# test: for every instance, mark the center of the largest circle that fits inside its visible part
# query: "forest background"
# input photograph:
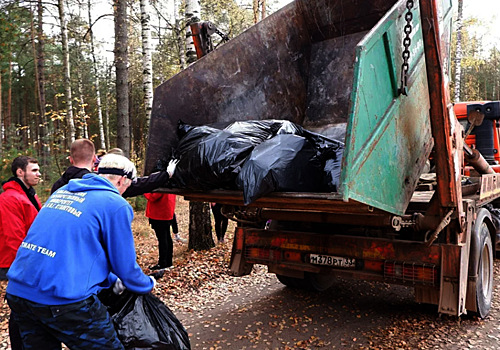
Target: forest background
(60, 79)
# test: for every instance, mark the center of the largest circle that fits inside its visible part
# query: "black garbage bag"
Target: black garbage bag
(333, 162)
(142, 321)
(330, 153)
(286, 162)
(210, 158)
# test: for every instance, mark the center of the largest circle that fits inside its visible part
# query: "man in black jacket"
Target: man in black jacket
(82, 157)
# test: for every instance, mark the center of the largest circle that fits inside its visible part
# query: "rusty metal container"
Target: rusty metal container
(332, 66)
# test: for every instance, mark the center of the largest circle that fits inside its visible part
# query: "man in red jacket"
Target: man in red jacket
(19, 205)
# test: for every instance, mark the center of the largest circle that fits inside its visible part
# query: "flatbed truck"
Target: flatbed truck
(373, 74)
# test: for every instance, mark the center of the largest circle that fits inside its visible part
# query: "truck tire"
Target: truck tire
(291, 282)
(484, 285)
(317, 282)
(480, 274)
(311, 281)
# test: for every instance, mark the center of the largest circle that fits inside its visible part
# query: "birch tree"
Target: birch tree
(82, 114)
(97, 87)
(193, 10)
(121, 66)
(458, 53)
(178, 31)
(67, 73)
(147, 63)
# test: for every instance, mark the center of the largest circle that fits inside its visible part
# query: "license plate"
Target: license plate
(329, 260)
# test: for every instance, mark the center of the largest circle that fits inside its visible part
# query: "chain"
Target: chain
(222, 35)
(406, 52)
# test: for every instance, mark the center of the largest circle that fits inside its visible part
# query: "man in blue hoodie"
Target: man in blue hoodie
(80, 242)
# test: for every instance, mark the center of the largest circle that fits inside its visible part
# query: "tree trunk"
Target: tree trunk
(84, 130)
(147, 63)
(121, 66)
(106, 99)
(192, 16)
(67, 74)
(36, 131)
(8, 112)
(178, 33)
(102, 141)
(458, 54)
(255, 10)
(44, 129)
(200, 227)
(263, 9)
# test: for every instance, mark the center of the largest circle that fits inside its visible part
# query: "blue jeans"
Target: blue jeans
(82, 325)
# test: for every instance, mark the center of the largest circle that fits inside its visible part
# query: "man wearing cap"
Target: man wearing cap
(82, 157)
(80, 242)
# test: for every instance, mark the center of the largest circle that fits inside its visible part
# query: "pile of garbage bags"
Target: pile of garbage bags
(257, 157)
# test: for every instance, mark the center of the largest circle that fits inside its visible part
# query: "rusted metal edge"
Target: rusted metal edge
(307, 201)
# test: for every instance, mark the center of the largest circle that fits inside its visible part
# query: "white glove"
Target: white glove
(154, 281)
(118, 287)
(171, 167)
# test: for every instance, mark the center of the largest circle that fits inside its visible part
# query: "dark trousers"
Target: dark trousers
(82, 325)
(220, 221)
(16, 342)
(165, 243)
(14, 335)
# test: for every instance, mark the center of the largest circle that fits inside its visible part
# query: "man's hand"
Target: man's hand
(118, 287)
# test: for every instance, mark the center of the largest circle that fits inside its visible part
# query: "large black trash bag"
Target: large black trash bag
(210, 158)
(142, 321)
(333, 162)
(330, 153)
(213, 162)
(286, 162)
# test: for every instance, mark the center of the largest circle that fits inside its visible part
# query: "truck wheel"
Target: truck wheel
(291, 282)
(311, 281)
(317, 282)
(484, 285)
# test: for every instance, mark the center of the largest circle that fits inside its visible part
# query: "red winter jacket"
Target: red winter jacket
(161, 206)
(16, 215)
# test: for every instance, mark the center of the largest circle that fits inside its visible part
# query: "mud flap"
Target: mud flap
(455, 268)
(238, 265)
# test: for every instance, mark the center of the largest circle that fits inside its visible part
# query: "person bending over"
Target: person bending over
(80, 243)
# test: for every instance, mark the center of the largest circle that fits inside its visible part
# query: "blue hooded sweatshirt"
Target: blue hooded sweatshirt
(77, 245)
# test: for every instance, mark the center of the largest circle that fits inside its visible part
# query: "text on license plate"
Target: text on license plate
(332, 260)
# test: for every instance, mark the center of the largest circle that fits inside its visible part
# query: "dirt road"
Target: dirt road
(257, 312)
(351, 315)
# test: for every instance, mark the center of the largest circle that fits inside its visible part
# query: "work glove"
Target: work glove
(118, 287)
(171, 167)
